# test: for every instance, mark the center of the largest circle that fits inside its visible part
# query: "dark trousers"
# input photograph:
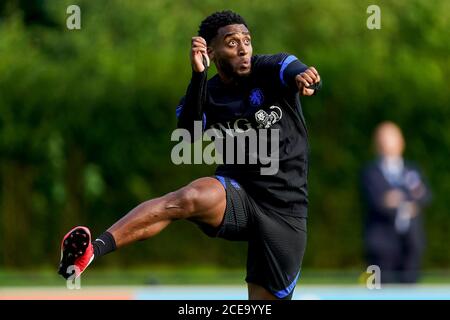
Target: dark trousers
(398, 255)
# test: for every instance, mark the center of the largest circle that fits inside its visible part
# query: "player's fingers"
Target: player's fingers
(314, 71)
(308, 92)
(305, 76)
(318, 78)
(302, 81)
(202, 40)
(196, 38)
(198, 44)
(311, 75)
(199, 49)
(199, 40)
(197, 53)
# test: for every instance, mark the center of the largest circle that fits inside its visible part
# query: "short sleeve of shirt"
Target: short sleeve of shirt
(281, 67)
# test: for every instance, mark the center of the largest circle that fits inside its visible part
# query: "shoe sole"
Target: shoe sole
(73, 247)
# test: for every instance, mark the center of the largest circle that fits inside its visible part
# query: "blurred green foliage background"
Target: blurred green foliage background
(86, 117)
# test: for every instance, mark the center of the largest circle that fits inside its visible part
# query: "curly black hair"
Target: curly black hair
(208, 28)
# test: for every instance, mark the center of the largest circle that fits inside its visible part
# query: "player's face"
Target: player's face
(232, 50)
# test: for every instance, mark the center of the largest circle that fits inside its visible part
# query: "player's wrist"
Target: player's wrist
(198, 75)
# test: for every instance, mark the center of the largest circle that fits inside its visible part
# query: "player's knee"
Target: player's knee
(188, 199)
(196, 198)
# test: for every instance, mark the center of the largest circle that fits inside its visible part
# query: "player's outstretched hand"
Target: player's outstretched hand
(198, 51)
(306, 79)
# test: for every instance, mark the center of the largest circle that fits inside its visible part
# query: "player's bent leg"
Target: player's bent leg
(203, 200)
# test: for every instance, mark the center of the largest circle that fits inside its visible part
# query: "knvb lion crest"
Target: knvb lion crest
(256, 97)
(266, 120)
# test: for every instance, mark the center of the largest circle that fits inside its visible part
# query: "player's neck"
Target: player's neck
(226, 79)
(230, 80)
(226, 76)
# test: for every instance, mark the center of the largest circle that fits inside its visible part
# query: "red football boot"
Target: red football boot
(77, 252)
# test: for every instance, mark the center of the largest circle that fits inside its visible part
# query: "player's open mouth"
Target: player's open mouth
(244, 65)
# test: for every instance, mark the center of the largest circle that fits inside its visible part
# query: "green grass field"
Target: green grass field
(199, 275)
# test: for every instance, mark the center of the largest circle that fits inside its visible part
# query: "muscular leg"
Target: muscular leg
(203, 200)
(256, 292)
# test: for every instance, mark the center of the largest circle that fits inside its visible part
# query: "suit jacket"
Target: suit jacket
(375, 183)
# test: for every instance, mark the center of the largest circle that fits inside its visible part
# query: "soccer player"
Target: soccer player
(269, 211)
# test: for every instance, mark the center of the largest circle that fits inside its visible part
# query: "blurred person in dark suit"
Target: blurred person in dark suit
(395, 193)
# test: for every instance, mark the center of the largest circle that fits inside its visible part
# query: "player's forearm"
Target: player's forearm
(298, 76)
(290, 68)
(193, 106)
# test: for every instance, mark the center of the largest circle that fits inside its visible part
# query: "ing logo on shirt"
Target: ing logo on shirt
(256, 97)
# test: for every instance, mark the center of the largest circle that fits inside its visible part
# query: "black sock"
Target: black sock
(104, 244)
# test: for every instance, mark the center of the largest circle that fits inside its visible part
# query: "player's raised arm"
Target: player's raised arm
(191, 107)
(290, 72)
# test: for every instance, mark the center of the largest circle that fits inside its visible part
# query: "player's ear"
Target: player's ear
(210, 52)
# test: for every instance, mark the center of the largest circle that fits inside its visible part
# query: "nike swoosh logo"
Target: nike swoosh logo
(101, 241)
